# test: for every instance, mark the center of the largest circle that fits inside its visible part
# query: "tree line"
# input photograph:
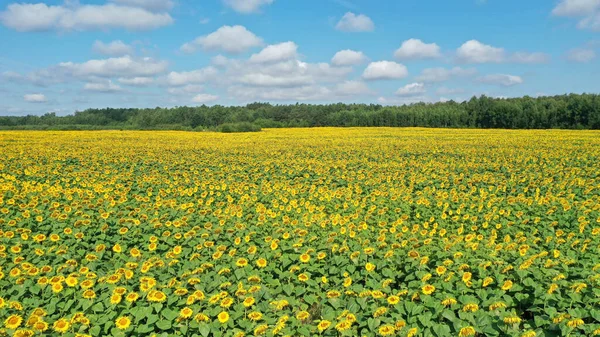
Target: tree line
(571, 111)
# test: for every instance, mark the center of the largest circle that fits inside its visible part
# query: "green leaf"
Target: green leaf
(163, 325)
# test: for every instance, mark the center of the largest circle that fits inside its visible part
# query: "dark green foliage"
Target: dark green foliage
(565, 112)
(238, 127)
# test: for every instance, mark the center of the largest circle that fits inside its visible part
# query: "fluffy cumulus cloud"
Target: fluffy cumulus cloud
(191, 77)
(152, 5)
(588, 12)
(102, 87)
(114, 48)
(351, 22)
(581, 55)
(576, 7)
(26, 17)
(125, 66)
(416, 49)
(442, 74)
(229, 39)
(35, 98)
(412, 89)
(474, 51)
(246, 6)
(385, 70)
(137, 81)
(348, 58)
(353, 88)
(501, 79)
(276, 53)
(204, 98)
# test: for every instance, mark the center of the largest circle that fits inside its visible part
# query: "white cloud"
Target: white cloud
(152, 5)
(587, 10)
(353, 88)
(104, 86)
(429, 75)
(416, 49)
(291, 73)
(501, 79)
(230, 39)
(125, 66)
(576, 7)
(114, 48)
(385, 70)
(348, 58)
(412, 89)
(247, 6)
(581, 55)
(276, 53)
(188, 77)
(524, 57)
(591, 22)
(42, 77)
(188, 89)
(351, 22)
(35, 98)
(474, 51)
(303, 93)
(41, 17)
(137, 81)
(204, 98)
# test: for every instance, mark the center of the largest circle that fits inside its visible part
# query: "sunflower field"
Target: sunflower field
(300, 232)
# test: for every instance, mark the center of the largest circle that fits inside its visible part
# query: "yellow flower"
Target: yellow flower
(393, 300)
(71, 281)
(574, 323)
(507, 285)
(529, 333)
(123, 322)
(255, 316)
(512, 320)
(369, 267)
(302, 315)
(223, 317)
(304, 258)
(387, 330)
(186, 313)
(249, 301)
(13, 322)
(428, 289)
(61, 326)
(467, 331)
(323, 325)
(448, 302)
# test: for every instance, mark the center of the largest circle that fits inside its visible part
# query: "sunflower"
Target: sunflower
(393, 300)
(249, 301)
(387, 330)
(186, 313)
(61, 326)
(369, 267)
(13, 322)
(255, 316)
(507, 285)
(428, 289)
(89, 294)
(223, 317)
(304, 258)
(467, 331)
(323, 325)
(123, 322)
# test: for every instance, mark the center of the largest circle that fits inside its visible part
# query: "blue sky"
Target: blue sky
(63, 56)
